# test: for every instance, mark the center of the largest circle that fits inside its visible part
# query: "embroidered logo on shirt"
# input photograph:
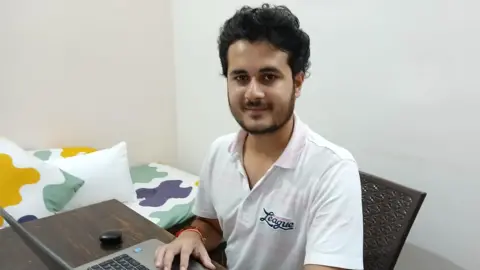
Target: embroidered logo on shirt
(277, 222)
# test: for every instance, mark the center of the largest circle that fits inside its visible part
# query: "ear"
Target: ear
(298, 82)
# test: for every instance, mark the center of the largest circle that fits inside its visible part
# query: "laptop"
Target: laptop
(138, 257)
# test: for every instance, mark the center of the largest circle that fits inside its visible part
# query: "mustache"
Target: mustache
(255, 104)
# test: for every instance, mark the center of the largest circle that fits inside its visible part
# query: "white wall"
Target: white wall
(393, 81)
(88, 73)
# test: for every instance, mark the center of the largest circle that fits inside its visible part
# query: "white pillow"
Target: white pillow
(106, 174)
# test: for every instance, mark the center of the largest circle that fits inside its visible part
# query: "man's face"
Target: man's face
(261, 89)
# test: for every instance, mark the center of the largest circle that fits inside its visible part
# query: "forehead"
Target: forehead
(251, 57)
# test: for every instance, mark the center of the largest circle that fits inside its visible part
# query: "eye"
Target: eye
(241, 78)
(269, 78)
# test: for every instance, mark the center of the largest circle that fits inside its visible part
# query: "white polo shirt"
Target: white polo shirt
(307, 209)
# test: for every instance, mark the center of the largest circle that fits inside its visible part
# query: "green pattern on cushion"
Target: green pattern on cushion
(56, 196)
(43, 154)
(145, 174)
(178, 214)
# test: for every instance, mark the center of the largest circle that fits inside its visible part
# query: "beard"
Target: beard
(279, 119)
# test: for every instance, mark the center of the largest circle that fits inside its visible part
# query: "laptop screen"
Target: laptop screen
(48, 257)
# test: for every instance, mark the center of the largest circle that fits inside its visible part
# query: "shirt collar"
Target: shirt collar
(290, 156)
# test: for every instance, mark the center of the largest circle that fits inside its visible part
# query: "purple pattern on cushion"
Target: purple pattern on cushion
(169, 189)
(27, 218)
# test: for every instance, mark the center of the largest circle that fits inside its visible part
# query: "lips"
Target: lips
(256, 109)
(255, 113)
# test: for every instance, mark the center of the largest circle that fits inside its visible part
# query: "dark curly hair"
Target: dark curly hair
(275, 24)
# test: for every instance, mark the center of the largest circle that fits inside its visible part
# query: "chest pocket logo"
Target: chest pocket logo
(276, 222)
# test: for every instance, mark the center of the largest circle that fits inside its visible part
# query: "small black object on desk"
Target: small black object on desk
(111, 238)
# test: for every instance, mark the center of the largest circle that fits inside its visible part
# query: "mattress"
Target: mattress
(165, 194)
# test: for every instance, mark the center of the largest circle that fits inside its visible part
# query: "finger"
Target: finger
(184, 257)
(205, 258)
(196, 254)
(168, 258)
(159, 253)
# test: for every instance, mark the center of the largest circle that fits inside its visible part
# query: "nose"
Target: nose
(254, 91)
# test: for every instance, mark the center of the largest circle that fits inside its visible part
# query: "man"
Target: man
(280, 195)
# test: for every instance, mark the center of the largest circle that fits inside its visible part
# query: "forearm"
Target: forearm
(210, 230)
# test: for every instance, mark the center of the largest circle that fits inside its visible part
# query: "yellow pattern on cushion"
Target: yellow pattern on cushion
(73, 151)
(12, 179)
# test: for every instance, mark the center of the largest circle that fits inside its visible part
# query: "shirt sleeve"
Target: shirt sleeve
(335, 235)
(203, 206)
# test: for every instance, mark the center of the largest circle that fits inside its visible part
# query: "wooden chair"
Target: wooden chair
(389, 211)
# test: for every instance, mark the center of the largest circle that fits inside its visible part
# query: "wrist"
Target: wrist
(191, 232)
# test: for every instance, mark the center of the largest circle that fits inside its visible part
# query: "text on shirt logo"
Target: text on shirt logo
(277, 222)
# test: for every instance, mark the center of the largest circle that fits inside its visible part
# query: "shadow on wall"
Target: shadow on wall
(413, 257)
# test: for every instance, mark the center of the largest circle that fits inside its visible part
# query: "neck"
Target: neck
(271, 145)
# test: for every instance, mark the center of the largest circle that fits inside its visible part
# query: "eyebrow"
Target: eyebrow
(262, 70)
(238, 72)
(270, 70)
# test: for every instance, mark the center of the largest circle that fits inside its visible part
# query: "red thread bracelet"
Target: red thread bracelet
(193, 229)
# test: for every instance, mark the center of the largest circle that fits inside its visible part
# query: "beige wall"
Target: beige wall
(88, 73)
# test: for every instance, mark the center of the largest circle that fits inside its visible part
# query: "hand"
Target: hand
(188, 243)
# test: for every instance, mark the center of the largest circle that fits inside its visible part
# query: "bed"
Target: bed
(164, 194)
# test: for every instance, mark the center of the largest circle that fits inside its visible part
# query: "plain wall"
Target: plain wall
(395, 82)
(88, 73)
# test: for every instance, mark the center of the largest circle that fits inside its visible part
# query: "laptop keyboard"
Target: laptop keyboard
(120, 262)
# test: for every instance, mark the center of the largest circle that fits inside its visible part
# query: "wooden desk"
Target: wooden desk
(74, 235)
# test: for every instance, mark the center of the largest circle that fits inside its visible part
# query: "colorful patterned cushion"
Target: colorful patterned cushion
(30, 188)
(61, 153)
(165, 194)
